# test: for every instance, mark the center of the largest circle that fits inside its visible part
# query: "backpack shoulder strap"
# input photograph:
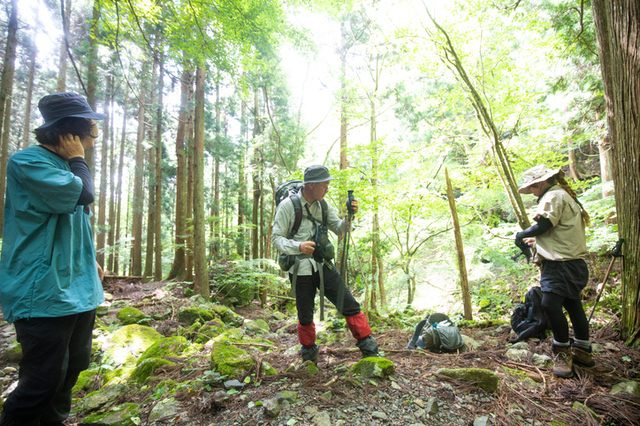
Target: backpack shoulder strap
(297, 210)
(325, 211)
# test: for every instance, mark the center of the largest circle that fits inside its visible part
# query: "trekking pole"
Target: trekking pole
(345, 249)
(615, 253)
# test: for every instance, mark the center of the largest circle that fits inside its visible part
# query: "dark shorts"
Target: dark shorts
(566, 278)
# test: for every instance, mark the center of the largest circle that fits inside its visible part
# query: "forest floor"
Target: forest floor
(414, 395)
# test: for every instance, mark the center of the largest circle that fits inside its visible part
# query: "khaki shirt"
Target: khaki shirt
(566, 240)
(283, 222)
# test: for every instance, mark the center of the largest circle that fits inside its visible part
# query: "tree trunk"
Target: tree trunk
(157, 273)
(606, 172)
(26, 135)
(92, 78)
(189, 216)
(462, 264)
(118, 214)
(151, 156)
(201, 275)
(178, 265)
(618, 31)
(6, 91)
(112, 197)
(61, 85)
(343, 95)
(102, 197)
(137, 204)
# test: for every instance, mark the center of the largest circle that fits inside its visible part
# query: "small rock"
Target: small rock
(542, 360)
(271, 408)
(517, 354)
(432, 406)
(626, 387)
(9, 370)
(379, 415)
(481, 421)
(419, 402)
(310, 409)
(233, 384)
(322, 419)
(327, 395)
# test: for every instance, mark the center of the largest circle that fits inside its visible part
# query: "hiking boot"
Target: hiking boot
(562, 361)
(310, 353)
(583, 357)
(368, 346)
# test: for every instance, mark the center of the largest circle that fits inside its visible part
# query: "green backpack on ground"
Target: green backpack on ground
(436, 333)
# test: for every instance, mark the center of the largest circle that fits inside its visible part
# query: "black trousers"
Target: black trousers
(306, 286)
(552, 304)
(54, 352)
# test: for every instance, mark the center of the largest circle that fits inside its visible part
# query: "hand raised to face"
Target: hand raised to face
(70, 146)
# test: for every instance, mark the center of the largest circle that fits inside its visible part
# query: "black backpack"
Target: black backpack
(529, 320)
(290, 188)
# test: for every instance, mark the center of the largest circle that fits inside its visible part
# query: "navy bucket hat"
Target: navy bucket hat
(65, 104)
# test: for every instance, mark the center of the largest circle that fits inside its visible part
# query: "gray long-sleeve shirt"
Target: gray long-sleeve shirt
(283, 222)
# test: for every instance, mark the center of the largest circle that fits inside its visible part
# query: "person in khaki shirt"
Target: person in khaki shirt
(559, 239)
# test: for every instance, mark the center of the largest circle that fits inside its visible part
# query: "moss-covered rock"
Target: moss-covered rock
(86, 380)
(267, 369)
(257, 327)
(124, 346)
(485, 379)
(174, 346)
(229, 360)
(191, 315)
(626, 387)
(147, 368)
(229, 317)
(374, 367)
(102, 398)
(206, 332)
(13, 353)
(117, 376)
(131, 315)
(121, 415)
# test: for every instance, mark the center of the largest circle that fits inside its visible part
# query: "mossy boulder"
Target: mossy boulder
(102, 398)
(174, 346)
(117, 376)
(486, 379)
(229, 317)
(632, 388)
(86, 380)
(203, 333)
(125, 345)
(191, 315)
(147, 368)
(257, 327)
(374, 367)
(229, 360)
(267, 369)
(121, 415)
(131, 315)
(13, 353)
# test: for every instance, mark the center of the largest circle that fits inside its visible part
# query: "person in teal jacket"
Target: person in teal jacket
(50, 283)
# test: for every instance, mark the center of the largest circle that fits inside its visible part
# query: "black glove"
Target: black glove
(524, 247)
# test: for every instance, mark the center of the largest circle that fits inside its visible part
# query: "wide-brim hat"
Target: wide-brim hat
(65, 104)
(537, 174)
(316, 173)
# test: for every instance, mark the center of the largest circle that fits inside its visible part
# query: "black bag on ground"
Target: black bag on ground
(529, 320)
(436, 333)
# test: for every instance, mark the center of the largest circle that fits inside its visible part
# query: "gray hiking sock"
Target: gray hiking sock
(582, 344)
(556, 343)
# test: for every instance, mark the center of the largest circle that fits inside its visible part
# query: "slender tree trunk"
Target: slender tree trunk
(26, 135)
(151, 155)
(119, 185)
(190, 193)
(61, 85)
(178, 265)
(112, 191)
(618, 31)
(6, 91)
(606, 171)
(240, 241)
(102, 197)
(157, 274)
(462, 264)
(92, 78)
(343, 95)
(137, 204)
(201, 275)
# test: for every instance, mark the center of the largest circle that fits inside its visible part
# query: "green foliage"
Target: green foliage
(241, 280)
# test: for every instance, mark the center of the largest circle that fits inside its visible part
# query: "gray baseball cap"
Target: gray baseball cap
(316, 173)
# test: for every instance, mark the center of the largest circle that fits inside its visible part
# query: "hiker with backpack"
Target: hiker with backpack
(308, 258)
(558, 237)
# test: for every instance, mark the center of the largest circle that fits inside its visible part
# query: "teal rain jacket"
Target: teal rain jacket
(48, 263)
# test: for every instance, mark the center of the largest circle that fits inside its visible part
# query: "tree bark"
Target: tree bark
(618, 31)
(179, 261)
(118, 215)
(157, 272)
(92, 78)
(606, 171)
(201, 275)
(137, 203)
(151, 155)
(462, 264)
(26, 134)
(6, 91)
(61, 84)
(102, 197)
